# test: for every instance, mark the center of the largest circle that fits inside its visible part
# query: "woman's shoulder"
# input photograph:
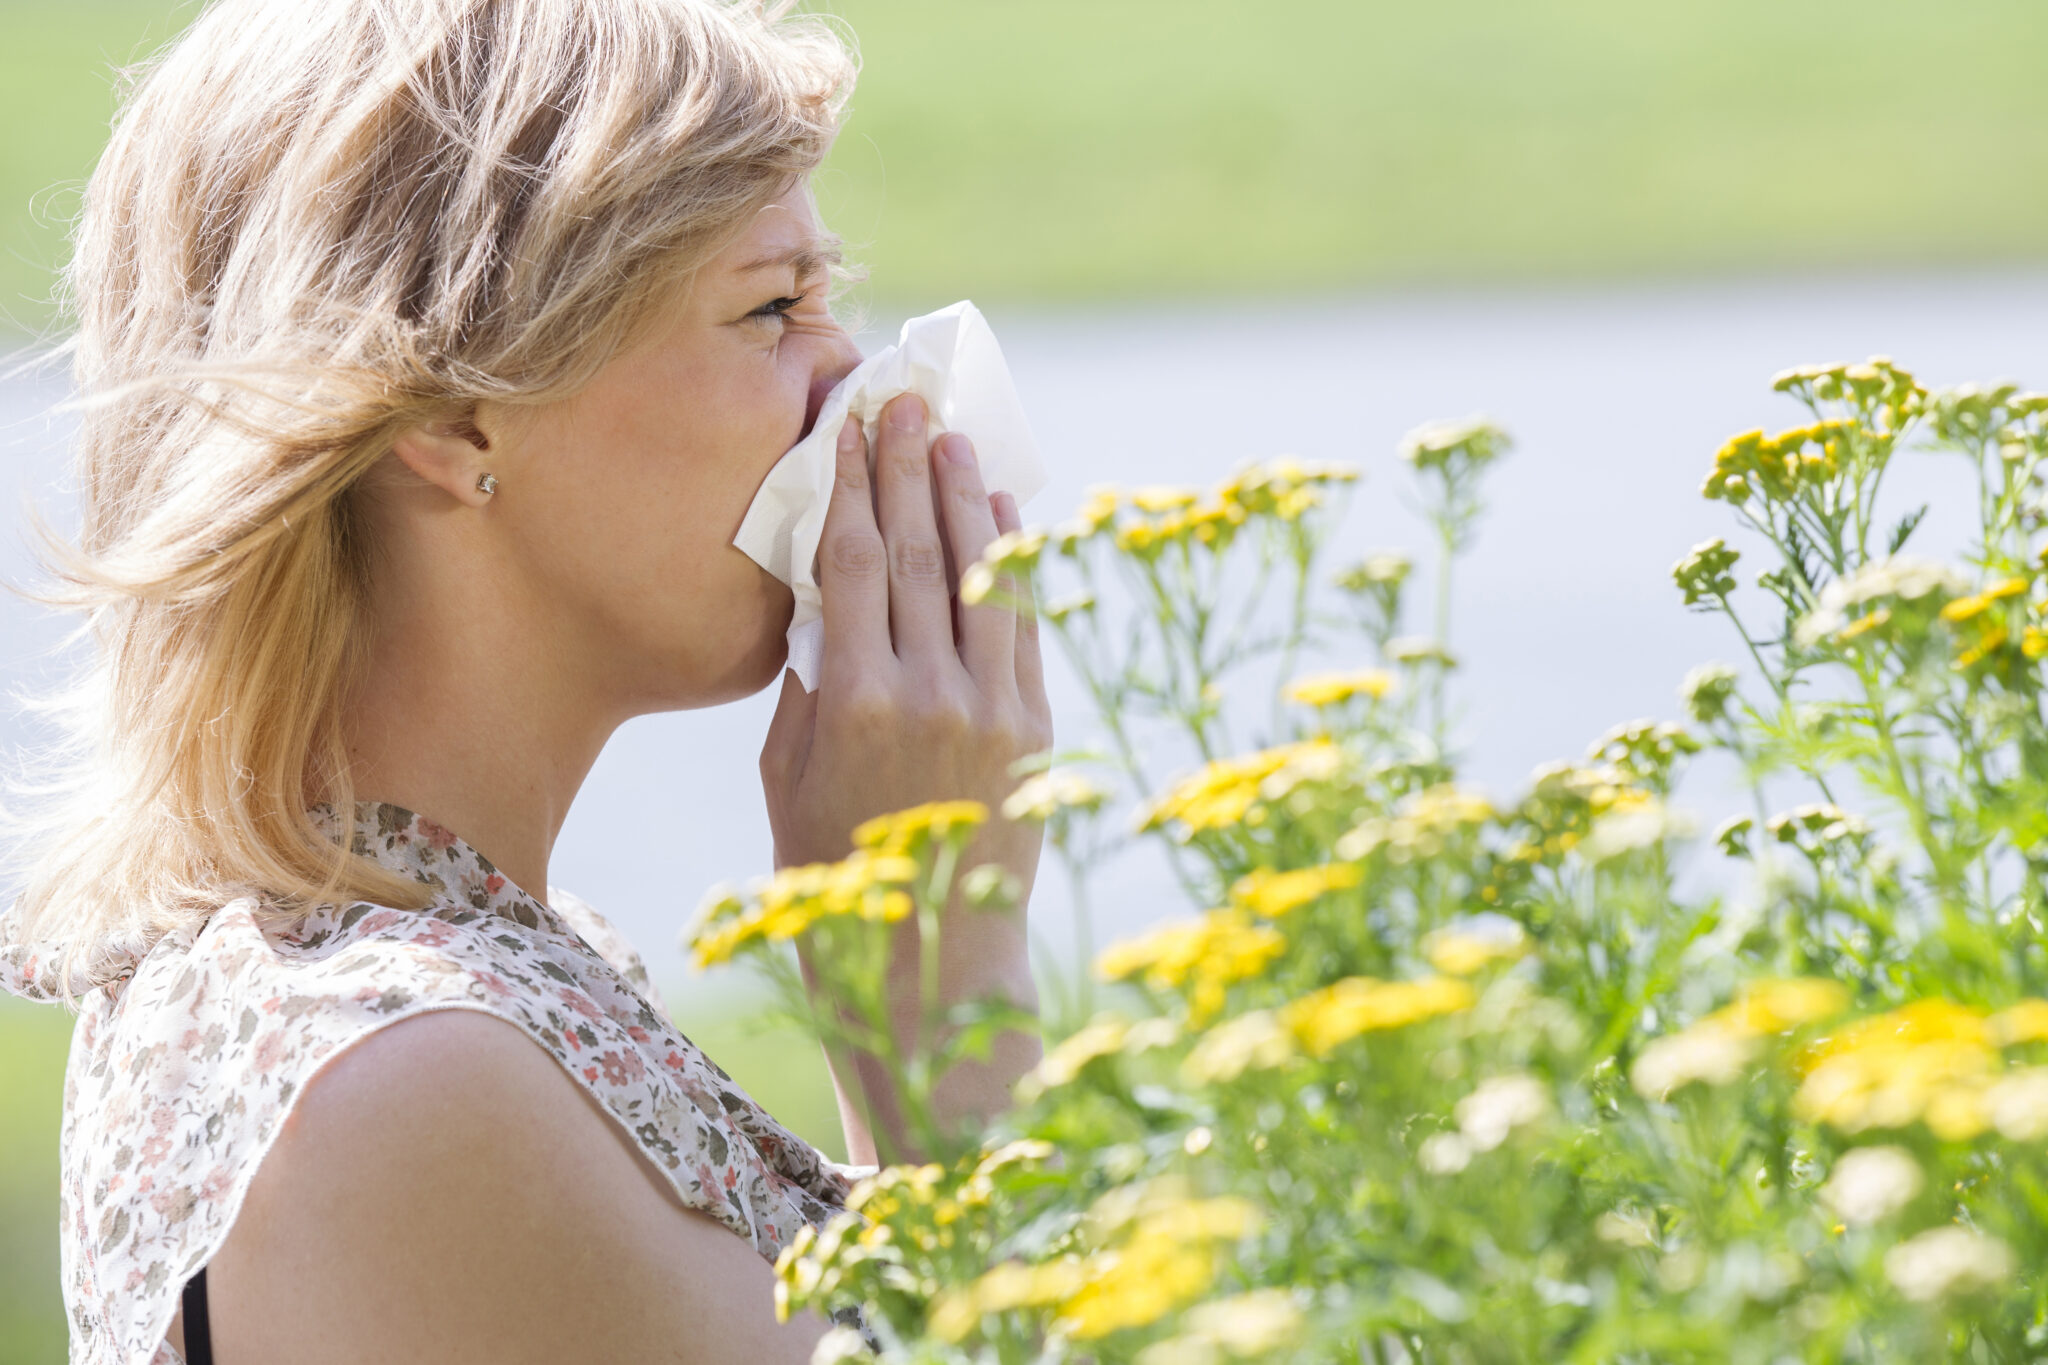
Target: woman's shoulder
(182, 1080)
(444, 1169)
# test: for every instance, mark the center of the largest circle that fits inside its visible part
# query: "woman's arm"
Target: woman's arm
(919, 699)
(444, 1193)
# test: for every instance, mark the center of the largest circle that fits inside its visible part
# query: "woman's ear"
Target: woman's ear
(452, 454)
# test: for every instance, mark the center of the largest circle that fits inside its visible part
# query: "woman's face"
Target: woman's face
(624, 499)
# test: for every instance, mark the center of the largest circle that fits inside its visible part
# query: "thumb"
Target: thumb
(788, 744)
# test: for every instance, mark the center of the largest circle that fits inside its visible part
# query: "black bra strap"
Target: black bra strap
(198, 1328)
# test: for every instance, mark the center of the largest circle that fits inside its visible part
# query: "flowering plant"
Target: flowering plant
(1431, 1077)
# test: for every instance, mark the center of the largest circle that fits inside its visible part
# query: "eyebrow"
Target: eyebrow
(809, 258)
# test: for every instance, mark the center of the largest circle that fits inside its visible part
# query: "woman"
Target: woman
(435, 350)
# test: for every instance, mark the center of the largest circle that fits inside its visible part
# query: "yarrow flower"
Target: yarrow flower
(1946, 1261)
(1870, 1184)
(1897, 579)
(1044, 795)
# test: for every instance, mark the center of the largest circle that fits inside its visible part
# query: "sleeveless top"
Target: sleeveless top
(185, 1065)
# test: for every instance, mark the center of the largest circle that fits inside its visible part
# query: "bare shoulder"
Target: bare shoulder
(444, 1192)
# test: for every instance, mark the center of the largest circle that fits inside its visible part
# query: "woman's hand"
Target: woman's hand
(919, 699)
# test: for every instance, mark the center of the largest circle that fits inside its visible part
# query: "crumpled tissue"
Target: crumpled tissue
(951, 360)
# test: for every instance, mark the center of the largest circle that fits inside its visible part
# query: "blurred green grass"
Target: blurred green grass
(1069, 150)
(785, 1073)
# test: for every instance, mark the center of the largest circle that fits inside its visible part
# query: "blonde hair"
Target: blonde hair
(316, 225)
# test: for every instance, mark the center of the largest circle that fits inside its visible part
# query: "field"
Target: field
(1122, 149)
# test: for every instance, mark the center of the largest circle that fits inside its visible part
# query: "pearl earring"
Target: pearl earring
(487, 484)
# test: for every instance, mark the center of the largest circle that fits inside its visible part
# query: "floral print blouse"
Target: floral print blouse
(183, 1070)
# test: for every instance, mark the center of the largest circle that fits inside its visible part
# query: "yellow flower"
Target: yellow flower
(1775, 1005)
(1271, 893)
(1718, 1047)
(1159, 498)
(1931, 1061)
(1099, 1037)
(1340, 1012)
(1229, 789)
(1461, 952)
(1167, 1255)
(2026, 1022)
(1097, 512)
(1208, 956)
(907, 830)
(1327, 689)
(1989, 643)
(868, 884)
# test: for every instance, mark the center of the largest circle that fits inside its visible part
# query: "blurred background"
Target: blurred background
(1211, 230)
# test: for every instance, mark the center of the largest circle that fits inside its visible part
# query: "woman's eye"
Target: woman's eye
(776, 308)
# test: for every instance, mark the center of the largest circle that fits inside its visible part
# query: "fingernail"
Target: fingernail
(1005, 507)
(849, 435)
(907, 413)
(956, 449)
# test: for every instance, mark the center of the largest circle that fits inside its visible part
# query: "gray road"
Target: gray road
(1566, 618)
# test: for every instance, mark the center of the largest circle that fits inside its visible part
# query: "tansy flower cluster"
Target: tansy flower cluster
(1781, 467)
(1419, 828)
(1147, 1250)
(871, 884)
(1933, 1061)
(1719, 1047)
(1206, 956)
(1333, 689)
(917, 829)
(1877, 390)
(1233, 790)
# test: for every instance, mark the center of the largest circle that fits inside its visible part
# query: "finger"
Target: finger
(1030, 664)
(853, 578)
(988, 633)
(920, 609)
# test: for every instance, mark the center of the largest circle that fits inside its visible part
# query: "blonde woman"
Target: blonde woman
(434, 350)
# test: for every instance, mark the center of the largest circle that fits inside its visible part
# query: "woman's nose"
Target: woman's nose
(837, 361)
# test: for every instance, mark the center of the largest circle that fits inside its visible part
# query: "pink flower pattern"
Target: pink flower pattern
(184, 1065)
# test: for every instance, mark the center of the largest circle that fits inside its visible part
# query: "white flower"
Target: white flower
(1901, 576)
(1947, 1260)
(1700, 1053)
(837, 1346)
(1627, 1228)
(2018, 1105)
(1871, 1184)
(1634, 827)
(1497, 1107)
(1253, 1039)
(1045, 794)
(1444, 1154)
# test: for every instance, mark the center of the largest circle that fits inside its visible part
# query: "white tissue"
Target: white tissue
(951, 360)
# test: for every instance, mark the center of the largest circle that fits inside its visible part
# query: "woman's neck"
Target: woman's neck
(447, 721)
